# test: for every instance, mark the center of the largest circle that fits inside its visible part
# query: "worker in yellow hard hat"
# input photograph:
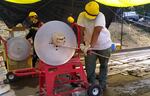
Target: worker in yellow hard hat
(33, 17)
(95, 40)
(36, 24)
(32, 14)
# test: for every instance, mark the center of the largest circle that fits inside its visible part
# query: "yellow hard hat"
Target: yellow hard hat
(32, 14)
(91, 10)
(70, 19)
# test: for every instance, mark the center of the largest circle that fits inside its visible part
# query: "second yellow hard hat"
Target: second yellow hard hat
(32, 14)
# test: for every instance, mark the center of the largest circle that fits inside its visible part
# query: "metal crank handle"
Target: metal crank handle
(70, 47)
(106, 57)
(89, 49)
(74, 47)
(93, 53)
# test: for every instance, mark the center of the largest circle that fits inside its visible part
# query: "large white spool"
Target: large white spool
(18, 48)
(52, 42)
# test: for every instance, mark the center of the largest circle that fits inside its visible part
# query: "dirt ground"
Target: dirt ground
(118, 86)
(29, 86)
(133, 36)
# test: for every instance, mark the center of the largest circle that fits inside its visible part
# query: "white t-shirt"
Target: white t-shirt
(104, 39)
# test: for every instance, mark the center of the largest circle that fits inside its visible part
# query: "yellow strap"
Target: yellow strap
(23, 1)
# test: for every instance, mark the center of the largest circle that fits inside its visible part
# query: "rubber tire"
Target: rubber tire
(92, 89)
(10, 78)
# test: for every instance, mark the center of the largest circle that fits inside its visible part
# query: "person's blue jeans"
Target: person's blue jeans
(90, 65)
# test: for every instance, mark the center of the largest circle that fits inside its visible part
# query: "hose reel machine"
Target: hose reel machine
(55, 44)
(17, 54)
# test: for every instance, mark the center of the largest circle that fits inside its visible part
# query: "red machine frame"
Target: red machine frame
(74, 68)
(49, 74)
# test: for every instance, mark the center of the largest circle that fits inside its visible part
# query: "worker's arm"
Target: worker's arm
(82, 34)
(81, 24)
(31, 33)
(99, 25)
(95, 35)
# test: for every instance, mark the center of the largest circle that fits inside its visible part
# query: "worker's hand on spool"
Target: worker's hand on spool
(84, 48)
(30, 41)
(35, 28)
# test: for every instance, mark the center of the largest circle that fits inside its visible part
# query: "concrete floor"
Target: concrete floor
(28, 86)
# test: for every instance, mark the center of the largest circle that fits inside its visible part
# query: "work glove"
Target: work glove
(34, 28)
(19, 25)
(84, 48)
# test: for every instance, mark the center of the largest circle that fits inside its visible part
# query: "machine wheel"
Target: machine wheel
(94, 90)
(11, 76)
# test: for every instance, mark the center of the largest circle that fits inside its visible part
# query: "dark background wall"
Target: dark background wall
(48, 10)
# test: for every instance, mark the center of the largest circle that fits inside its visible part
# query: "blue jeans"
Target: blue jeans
(90, 65)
